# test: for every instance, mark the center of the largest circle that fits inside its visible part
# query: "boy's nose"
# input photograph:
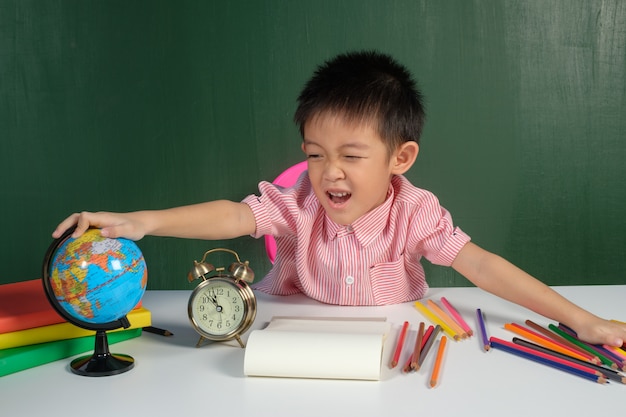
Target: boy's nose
(333, 171)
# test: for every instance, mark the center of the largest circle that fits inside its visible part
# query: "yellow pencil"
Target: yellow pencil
(433, 317)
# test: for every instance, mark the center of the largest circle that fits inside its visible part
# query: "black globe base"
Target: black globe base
(102, 362)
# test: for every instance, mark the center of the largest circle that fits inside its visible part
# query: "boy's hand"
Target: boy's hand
(112, 225)
(601, 331)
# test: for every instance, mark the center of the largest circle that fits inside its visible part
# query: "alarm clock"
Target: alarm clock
(222, 307)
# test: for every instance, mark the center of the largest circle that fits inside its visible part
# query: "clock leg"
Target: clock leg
(201, 341)
(240, 341)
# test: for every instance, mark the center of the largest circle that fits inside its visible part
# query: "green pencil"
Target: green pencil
(608, 362)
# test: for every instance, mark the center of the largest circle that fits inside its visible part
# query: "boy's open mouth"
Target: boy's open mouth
(339, 198)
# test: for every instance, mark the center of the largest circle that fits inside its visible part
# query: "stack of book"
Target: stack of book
(32, 333)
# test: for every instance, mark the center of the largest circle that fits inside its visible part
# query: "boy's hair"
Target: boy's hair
(365, 87)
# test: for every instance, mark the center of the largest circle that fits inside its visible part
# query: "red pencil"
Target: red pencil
(396, 356)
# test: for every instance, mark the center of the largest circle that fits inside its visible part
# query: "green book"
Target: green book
(25, 357)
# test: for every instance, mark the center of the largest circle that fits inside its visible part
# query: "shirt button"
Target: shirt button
(349, 229)
(349, 280)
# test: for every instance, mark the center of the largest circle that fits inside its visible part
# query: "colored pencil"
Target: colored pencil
(454, 313)
(506, 346)
(557, 338)
(418, 347)
(582, 367)
(608, 362)
(436, 369)
(616, 351)
(433, 317)
(542, 340)
(400, 343)
(459, 332)
(429, 343)
(427, 333)
(617, 360)
(608, 373)
(483, 330)
(156, 330)
(610, 354)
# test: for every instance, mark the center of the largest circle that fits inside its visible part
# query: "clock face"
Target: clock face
(221, 308)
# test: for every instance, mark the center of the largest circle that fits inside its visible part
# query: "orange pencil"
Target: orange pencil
(396, 356)
(418, 347)
(543, 341)
(460, 333)
(560, 339)
(435, 375)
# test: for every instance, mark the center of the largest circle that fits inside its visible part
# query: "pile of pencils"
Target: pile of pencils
(560, 348)
(447, 320)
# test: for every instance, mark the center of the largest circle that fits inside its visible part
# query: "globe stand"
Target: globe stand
(102, 362)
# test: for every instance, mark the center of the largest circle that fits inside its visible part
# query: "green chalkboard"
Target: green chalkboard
(118, 105)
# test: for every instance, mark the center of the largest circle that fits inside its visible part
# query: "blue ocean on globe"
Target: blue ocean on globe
(98, 280)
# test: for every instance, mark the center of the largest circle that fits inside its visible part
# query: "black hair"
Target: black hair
(365, 87)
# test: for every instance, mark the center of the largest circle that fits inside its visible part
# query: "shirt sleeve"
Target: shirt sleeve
(276, 209)
(434, 234)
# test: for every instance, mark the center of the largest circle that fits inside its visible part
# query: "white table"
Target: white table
(174, 378)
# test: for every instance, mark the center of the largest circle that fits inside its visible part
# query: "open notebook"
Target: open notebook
(317, 347)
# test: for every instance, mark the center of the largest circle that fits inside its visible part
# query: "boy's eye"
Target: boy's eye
(313, 156)
(353, 157)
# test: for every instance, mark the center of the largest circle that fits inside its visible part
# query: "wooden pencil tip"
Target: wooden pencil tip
(433, 383)
(393, 364)
(487, 347)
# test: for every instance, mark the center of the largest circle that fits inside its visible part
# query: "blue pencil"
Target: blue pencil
(483, 331)
(495, 344)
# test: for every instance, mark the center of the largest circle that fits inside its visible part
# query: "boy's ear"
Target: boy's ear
(404, 157)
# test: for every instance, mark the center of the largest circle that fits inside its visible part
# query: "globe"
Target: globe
(93, 282)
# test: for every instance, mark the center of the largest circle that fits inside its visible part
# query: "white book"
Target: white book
(317, 347)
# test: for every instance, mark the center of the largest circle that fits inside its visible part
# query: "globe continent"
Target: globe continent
(98, 280)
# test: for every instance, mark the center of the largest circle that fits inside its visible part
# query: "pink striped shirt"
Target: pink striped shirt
(374, 261)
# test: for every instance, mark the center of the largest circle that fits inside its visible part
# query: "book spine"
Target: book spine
(26, 357)
(140, 317)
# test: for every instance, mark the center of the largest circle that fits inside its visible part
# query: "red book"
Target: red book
(24, 305)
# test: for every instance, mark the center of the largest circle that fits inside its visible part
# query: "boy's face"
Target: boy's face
(349, 167)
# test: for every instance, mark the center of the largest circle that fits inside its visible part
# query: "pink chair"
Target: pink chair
(286, 179)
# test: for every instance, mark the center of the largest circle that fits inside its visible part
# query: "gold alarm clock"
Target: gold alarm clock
(222, 307)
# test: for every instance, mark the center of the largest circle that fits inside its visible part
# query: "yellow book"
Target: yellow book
(138, 318)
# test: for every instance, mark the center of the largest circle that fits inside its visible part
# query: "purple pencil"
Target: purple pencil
(483, 331)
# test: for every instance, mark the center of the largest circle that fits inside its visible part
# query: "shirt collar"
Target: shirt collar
(367, 227)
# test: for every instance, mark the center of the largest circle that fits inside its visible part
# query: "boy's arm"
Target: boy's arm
(212, 220)
(496, 275)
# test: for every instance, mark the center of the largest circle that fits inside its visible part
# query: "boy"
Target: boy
(353, 229)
